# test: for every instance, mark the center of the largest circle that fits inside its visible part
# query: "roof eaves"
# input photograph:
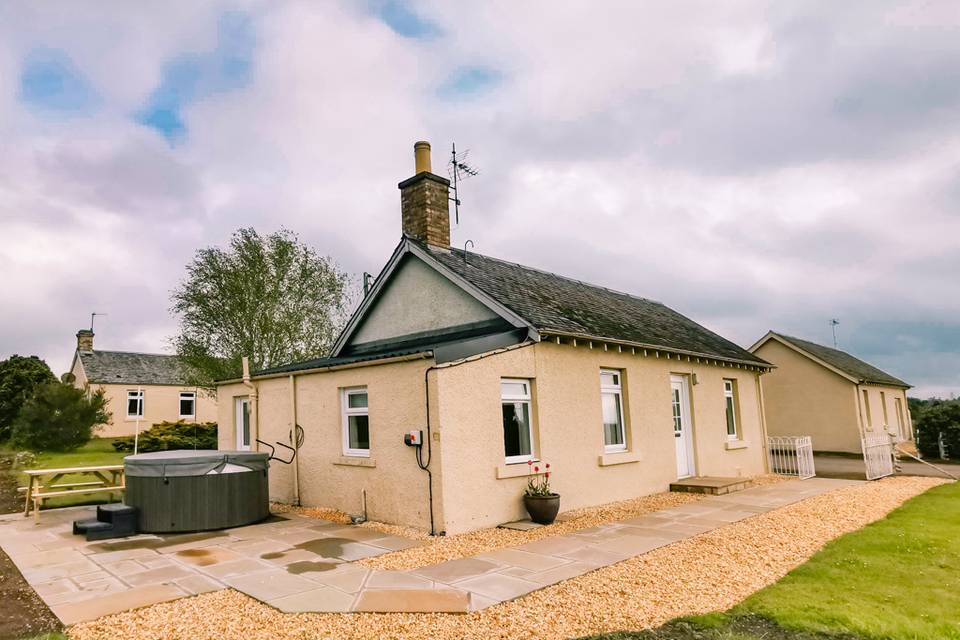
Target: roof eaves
(759, 362)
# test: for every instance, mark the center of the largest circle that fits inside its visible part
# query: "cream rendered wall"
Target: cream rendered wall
(397, 490)
(567, 420)
(160, 403)
(877, 426)
(419, 299)
(803, 398)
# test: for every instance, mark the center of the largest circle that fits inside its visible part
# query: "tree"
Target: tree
(938, 417)
(59, 417)
(270, 298)
(19, 377)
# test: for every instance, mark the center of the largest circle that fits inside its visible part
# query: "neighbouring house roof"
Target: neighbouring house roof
(852, 366)
(546, 303)
(125, 367)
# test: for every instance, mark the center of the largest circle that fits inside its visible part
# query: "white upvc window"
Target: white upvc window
(611, 403)
(188, 404)
(730, 400)
(517, 426)
(356, 422)
(135, 403)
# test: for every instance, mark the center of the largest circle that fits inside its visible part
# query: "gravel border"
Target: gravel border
(709, 572)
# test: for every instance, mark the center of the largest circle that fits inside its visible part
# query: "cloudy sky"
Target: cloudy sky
(754, 165)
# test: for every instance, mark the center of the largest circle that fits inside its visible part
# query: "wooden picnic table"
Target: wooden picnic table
(48, 483)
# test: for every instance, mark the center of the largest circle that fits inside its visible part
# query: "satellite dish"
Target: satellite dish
(68, 378)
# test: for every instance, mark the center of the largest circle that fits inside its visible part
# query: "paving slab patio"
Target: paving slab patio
(298, 564)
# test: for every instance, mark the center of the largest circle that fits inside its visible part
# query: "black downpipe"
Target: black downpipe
(420, 463)
(426, 397)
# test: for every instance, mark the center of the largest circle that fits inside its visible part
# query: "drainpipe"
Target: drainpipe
(252, 392)
(296, 440)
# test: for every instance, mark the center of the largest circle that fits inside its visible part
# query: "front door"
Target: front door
(242, 413)
(682, 433)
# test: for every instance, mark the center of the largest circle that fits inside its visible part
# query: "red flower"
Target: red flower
(547, 474)
(536, 469)
(548, 465)
(529, 462)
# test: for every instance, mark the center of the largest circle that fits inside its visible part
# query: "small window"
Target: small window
(730, 399)
(883, 406)
(356, 422)
(188, 404)
(866, 408)
(135, 403)
(611, 404)
(517, 428)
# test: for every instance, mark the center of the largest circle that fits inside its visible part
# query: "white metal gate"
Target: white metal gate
(878, 456)
(791, 456)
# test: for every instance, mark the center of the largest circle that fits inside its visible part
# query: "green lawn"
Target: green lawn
(98, 451)
(896, 579)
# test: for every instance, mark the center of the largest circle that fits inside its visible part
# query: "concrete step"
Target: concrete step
(711, 485)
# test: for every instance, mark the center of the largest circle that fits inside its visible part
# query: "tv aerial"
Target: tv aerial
(458, 170)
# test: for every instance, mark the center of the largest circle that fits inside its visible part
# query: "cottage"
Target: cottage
(830, 395)
(491, 365)
(142, 389)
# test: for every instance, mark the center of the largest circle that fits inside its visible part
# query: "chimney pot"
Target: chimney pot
(425, 202)
(85, 340)
(421, 156)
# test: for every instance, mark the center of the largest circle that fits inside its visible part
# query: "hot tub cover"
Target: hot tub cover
(180, 463)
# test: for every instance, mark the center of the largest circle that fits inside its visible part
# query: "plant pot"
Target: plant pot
(543, 509)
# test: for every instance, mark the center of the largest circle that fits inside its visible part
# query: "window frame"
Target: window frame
(193, 400)
(526, 398)
(731, 403)
(241, 408)
(346, 411)
(867, 414)
(136, 394)
(883, 409)
(617, 391)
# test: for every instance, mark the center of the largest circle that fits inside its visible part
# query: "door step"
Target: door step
(710, 485)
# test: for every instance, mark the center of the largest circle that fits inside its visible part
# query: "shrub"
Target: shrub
(936, 417)
(19, 378)
(59, 417)
(164, 436)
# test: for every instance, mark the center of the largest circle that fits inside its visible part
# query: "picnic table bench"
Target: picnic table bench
(48, 483)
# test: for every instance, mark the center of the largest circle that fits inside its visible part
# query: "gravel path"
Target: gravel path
(710, 572)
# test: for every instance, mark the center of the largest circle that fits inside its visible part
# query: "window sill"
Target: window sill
(620, 457)
(515, 470)
(355, 461)
(733, 445)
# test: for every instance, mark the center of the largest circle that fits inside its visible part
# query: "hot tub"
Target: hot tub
(178, 491)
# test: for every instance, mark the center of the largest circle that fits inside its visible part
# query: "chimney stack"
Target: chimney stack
(85, 340)
(425, 202)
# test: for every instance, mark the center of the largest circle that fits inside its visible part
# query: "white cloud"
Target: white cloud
(754, 165)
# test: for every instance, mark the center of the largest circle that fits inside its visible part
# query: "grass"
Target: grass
(97, 452)
(895, 579)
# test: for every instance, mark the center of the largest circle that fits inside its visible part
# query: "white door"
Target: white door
(242, 413)
(682, 433)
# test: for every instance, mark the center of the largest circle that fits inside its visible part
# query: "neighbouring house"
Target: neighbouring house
(494, 364)
(142, 388)
(830, 395)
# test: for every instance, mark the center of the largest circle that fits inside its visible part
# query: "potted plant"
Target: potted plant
(542, 504)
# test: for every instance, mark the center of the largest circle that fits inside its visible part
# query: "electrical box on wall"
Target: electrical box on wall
(413, 438)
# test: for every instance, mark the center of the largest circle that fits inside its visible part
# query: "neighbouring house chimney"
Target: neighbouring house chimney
(425, 202)
(84, 340)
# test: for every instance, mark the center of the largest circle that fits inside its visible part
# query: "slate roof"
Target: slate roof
(125, 367)
(320, 363)
(551, 302)
(845, 362)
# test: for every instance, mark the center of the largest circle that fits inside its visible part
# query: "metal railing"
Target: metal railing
(878, 456)
(791, 456)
